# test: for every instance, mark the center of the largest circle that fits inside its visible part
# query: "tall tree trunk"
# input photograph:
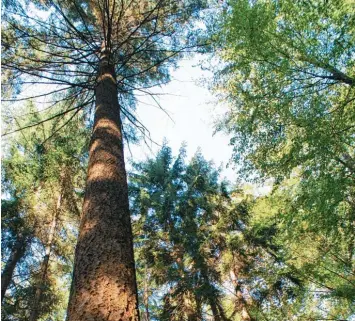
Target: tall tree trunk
(217, 310)
(17, 252)
(104, 283)
(45, 263)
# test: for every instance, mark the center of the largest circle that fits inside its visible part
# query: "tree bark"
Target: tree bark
(104, 283)
(17, 252)
(45, 263)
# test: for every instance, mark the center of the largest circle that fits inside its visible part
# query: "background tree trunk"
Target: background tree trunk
(214, 309)
(104, 283)
(45, 263)
(17, 252)
(241, 303)
(146, 294)
(217, 310)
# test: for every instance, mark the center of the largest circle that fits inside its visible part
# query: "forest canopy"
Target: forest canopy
(92, 232)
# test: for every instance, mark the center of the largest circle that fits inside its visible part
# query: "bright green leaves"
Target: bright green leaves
(288, 81)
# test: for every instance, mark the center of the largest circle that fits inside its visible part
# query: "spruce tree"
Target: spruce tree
(98, 53)
(174, 206)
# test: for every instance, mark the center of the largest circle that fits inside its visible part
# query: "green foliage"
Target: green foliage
(204, 250)
(289, 105)
(288, 81)
(173, 206)
(39, 165)
(321, 265)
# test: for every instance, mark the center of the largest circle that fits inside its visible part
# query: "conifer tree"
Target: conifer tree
(41, 177)
(206, 251)
(174, 207)
(98, 53)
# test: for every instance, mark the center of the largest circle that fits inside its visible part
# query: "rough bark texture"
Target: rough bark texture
(104, 284)
(17, 253)
(35, 308)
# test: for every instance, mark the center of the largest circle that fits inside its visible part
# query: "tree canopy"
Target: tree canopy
(56, 46)
(288, 82)
(171, 240)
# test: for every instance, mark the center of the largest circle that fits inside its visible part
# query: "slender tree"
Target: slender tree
(45, 262)
(16, 236)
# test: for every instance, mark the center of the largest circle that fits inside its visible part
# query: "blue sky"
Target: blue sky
(193, 110)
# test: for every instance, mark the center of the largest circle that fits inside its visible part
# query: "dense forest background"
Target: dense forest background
(169, 238)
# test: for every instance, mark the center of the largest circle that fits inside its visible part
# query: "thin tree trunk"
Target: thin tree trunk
(45, 263)
(241, 304)
(146, 295)
(104, 283)
(17, 252)
(198, 309)
(213, 305)
(217, 310)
